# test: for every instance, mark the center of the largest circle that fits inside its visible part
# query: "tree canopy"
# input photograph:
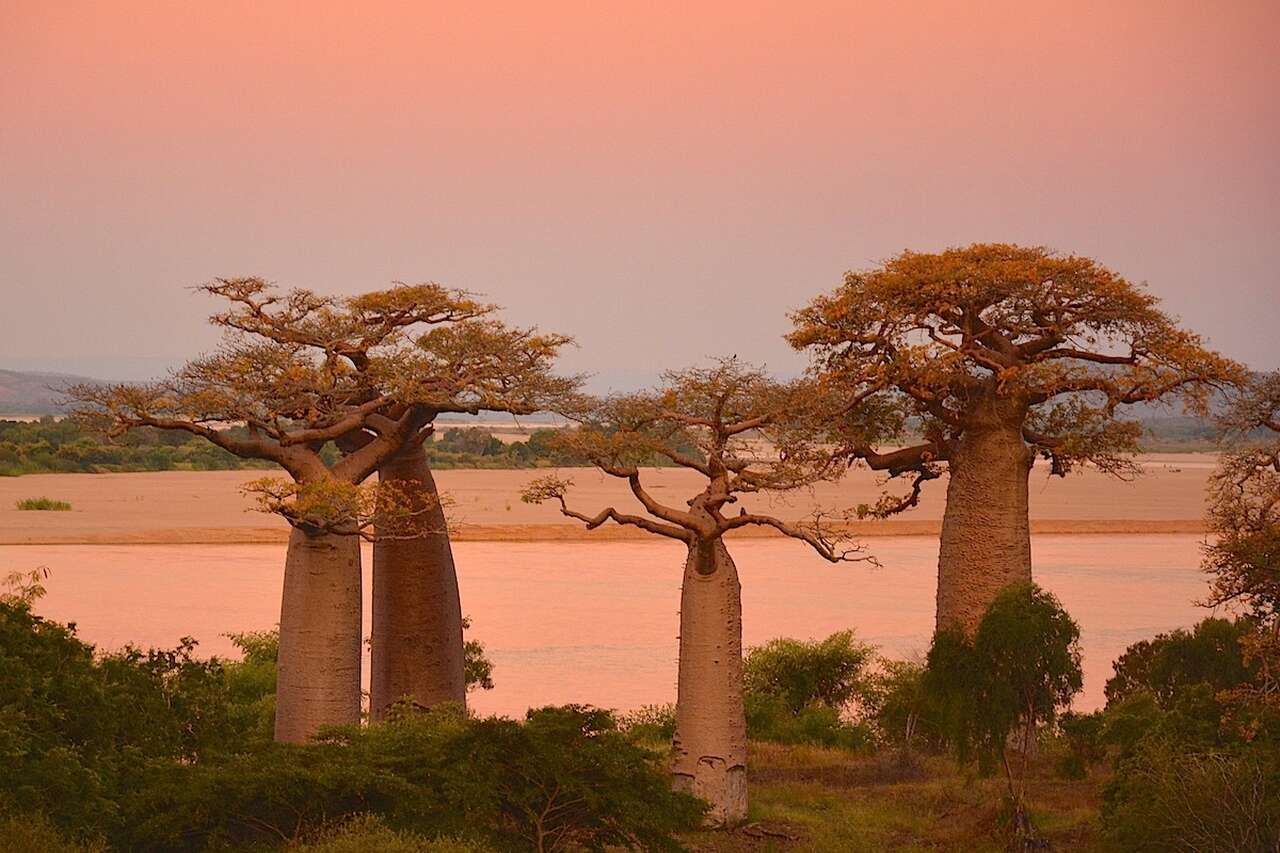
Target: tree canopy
(728, 422)
(299, 370)
(1053, 344)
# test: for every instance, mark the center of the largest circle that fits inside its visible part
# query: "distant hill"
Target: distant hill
(30, 393)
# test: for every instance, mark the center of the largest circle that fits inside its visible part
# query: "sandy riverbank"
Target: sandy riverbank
(185, 507)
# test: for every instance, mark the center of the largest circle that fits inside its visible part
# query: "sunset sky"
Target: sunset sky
(663, 181)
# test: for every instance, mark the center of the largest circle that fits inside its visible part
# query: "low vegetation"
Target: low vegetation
(162, 750)
(42, 505)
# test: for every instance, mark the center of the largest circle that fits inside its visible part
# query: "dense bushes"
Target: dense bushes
(565, 775)
(1168, 796)
(1195, 766)
(800, 691)
(1208, 654)
(798, 673)
(159, 750)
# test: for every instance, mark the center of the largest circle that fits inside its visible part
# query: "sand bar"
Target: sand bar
(208, 507)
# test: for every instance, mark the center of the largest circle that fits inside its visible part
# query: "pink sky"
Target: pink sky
(662, 181)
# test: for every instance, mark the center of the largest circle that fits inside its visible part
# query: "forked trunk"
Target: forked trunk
(986, 534)
(710, 746)
(416, 646)
(318, 681)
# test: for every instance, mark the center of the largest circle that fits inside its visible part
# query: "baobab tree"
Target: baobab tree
(285, 402)
(717, 422)
(998, 355)
(348, 371)
(467, 362)
(1243, 556)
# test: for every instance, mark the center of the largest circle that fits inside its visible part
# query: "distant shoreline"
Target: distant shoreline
(578, 534)
(210, 508)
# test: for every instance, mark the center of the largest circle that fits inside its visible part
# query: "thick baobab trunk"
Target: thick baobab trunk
(986, 535)
(318, 681)
(710, 746)
(416, 646)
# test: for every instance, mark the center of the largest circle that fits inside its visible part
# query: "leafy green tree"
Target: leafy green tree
(1208, 654)
(1019, 670)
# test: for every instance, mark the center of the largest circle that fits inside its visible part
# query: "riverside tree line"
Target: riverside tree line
(998, 356)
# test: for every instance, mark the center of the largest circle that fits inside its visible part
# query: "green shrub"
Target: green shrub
(157, 750)
(1164, 797)
(1081, 736)
(32, 833)
(368, 833)
(568, 775)
(770, 718)
(564, 773)
(476, 666)
(650, 723)
(43, 505)
(894, 704)
(801, 673)
(75, 726)
(1208, 654)
(798, 691)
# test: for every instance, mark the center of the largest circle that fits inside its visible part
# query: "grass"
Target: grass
(819, 800)
(43, 505)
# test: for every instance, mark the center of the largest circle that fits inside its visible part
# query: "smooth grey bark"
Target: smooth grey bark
(416, 640)
(986, 533)
(710, 745)
(318, 678)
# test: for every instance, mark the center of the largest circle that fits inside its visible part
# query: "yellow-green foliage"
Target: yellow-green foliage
(366, 833)
(817, 800)
(32, 833)
(43, 504)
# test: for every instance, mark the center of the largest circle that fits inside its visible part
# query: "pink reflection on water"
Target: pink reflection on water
(596, 622)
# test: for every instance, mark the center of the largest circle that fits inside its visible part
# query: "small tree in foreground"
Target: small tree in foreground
(1018, 671)
(716, 422)
(998, 355)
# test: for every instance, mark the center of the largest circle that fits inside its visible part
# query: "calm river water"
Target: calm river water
(596, 622)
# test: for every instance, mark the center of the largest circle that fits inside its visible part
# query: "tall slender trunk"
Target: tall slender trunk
(417, 647)
(318, 681)
(710, 746)
(986, 534)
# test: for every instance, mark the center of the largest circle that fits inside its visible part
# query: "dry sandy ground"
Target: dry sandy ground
(182, 507)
